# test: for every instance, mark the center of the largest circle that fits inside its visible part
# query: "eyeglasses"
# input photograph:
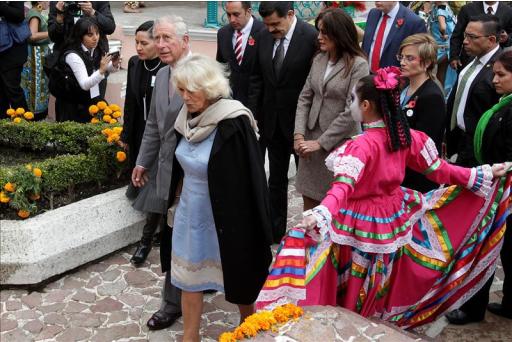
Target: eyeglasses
(407, 59)
(472, 36)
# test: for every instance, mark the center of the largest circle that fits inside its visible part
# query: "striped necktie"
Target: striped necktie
(460, 91)
(238, 47)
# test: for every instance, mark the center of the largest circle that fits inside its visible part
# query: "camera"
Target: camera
(72, 7)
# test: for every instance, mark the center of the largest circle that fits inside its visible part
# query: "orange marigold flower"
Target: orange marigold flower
(28, 115)
(10, 112)
(94, 120)
(112, 121)
(114, 107)
(107, 131)
(107, 118)
(227, 337)
(120, 156)
(20, 111)
(107, 111)
(28, 167)
(4, 198)
(23, 213)
(102, 105)
(17, 120)
(34, 197)
(10, 187)
(93, 109)
(37, 172)
(116, 114)
(117, 129)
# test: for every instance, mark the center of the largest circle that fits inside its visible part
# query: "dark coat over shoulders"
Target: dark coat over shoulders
(239, 197)
(239, 74)
(428, 116)
(497, 140)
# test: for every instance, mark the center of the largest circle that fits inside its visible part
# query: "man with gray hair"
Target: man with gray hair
(158, 144)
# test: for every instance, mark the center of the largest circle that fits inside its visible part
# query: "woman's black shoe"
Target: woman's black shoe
(140, 255)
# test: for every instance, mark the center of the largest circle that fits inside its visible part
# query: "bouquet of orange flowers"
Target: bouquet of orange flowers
(104, 112)
(113, 135)
(22, 190)
(19, 114)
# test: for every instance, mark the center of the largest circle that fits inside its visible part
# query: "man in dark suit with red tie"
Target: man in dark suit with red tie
(387, 25)
(236, 46)
(285, 53)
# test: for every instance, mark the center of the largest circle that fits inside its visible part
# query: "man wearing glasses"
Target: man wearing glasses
(471, 96)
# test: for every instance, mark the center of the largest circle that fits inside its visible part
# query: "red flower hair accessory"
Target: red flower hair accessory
(387, 78)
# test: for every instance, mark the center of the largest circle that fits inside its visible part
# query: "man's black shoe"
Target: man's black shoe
(161, 320)
(459, 317)
(140, 255)
(498, 309)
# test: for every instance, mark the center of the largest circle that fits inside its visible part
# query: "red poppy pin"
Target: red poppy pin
(251, 41)
(399, 22)
(410, 106)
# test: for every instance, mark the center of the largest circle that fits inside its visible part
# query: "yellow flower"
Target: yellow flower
(10, 112)
(117, 130)
(28, 115)
(120, 156)
(112, 138)
(94, 120)
(112, 121)
(37, 172)
(93, 109)
(116, 114)
(102, 105)
(107, 118)
(20, 111)
(227, 337)
(23, 214)
(17, 120)
(107, 111)
(10, 187)
(4, 198)
(114, 107)
(28, 167)
(107, 132)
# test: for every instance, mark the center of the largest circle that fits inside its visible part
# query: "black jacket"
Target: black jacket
(275, 100)
(428, 116)
(239, 197)
(60, 32)
(16, 55)
(504, 13)
(497, 140)
(239, 74)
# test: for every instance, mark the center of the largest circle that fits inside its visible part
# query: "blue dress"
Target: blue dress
(196, 264)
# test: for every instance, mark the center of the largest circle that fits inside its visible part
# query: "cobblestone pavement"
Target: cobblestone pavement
(111, 300)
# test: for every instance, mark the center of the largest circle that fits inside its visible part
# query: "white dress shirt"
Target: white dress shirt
(389, 24)
(494, 7)
(483, 62)
(246, 32)
(287, 38)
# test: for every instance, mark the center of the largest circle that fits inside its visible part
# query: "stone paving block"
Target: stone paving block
(33, 327)
(57, 307)
(106, 305)
(132, 300)
(84, 296)
(93, 282)
(112, 289)
(117, 316)
(87, 320)
(16, 335)
(220, 302)
(74, 334)
(55, 318)
(71, 283)
(74, 307)
(27, 314)
(32, 300)
(97, 267)
(135, 314)
(8, 324)
(213, 331)
(56, 296)
(110, 275)
(116, 332)
(49, 332)
(13, 305)
(140, 278)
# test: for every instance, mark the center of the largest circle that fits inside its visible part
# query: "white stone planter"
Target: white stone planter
(60, 240)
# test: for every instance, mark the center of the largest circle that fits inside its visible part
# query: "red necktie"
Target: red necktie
(238, 47)
(378, 43)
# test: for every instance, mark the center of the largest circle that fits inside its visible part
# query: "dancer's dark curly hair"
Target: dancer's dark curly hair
(387, 104)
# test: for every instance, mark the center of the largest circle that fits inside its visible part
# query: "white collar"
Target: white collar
(485, 58)
(494, 7)
(392, 14)
(246, 30)
(289, 35)
(85, 49)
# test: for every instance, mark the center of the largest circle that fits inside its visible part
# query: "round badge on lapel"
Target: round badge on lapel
(409, 113)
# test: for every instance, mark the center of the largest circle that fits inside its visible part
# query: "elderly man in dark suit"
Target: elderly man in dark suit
(236, 46)
(473, 94)
(386, 26)
(458, 56)
(284, 57)
(158, 144)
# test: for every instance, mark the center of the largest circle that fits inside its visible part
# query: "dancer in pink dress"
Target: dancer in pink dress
(382, 250)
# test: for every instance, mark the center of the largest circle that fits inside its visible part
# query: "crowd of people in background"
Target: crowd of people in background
(423, 83)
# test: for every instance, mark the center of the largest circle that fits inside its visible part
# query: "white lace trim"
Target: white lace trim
(329, 161)
(372, 247)
(348, 165)
(284, 293)
(480, 181)
(323, 219)
(429, 152)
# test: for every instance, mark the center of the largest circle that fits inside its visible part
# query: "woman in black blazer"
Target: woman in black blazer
(142, 70)
(422, 100)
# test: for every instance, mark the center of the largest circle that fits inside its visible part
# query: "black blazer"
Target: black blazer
(275, 100)
(239, 74)
(497, 139)
(481, 97)
(504, 13)
(241, 210)
(428, 116)
(16, 55)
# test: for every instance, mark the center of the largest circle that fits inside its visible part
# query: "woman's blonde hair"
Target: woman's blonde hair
(201, 73)
(427, 50)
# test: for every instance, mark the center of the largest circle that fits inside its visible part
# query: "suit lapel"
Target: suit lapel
(485, 69)
(250, 49)
(267, 46)
(371, 31)
(394, 28)
(228, 44)
(340, 65)
(293, 47)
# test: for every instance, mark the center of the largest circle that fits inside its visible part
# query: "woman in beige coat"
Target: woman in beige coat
(323, 119)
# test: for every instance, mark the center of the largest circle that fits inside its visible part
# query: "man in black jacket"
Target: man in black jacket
(11, 61)
(458, 56)
(236, 46)
(284, 56)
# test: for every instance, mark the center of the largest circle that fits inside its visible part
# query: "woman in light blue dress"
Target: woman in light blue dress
(441, 23)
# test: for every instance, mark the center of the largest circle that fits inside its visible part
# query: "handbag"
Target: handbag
(171, 212)
(19, 32)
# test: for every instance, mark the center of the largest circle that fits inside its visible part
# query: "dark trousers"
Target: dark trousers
(279, 150)
(11, 93)
(171, 295)
(477, 305)
(152, 221)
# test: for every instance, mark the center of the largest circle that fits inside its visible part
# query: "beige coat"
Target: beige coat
(323, 114)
